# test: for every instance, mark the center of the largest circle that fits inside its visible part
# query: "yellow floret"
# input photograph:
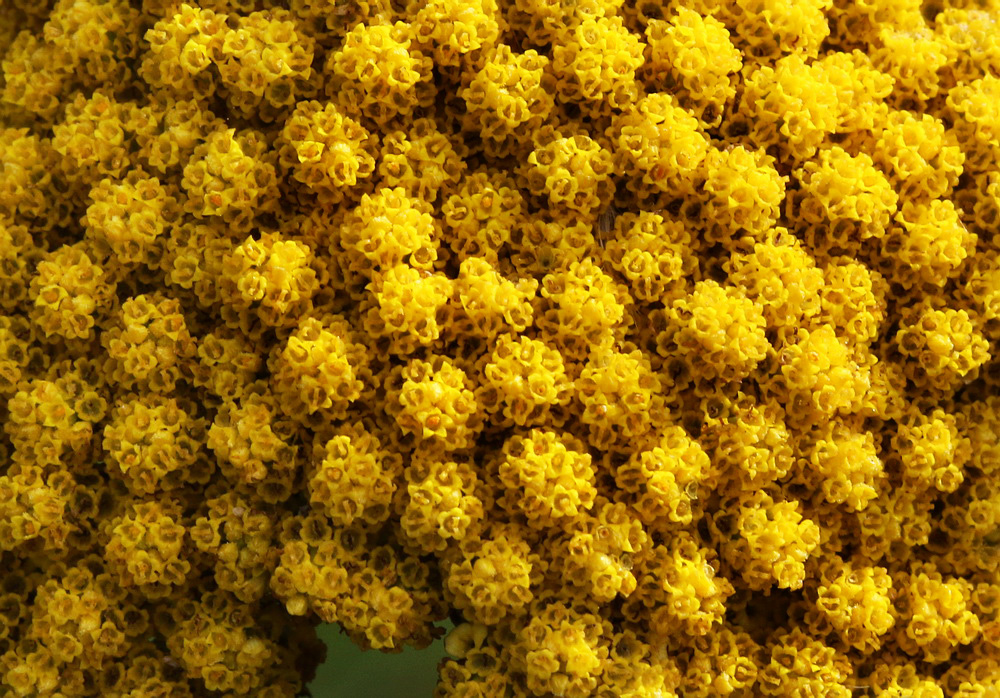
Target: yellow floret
(773, 544)
(904, 681)
(92, 135)
(49, 420)
(238, 533)
(983, 291)
(153, 442)
(682, 588)
(442, 503)
(561, 651)
(650, 344)
(724, 662)
(34, 72)
(821, 376)
(634, 669)
(73, 615)
(451, 30)
(597, 555)
(422, 160)
(619, 393)
(145, 549)
(933, 452)
(272, 276)
(653, 253)
(14, 356)
(781, 276)
(181, 48)
(801, 665)
(319, 369)
(215, 641)
(34, 509)
(545, 21)
(170, 130)
(89, 42)
(747, 440)
(790, 107)
(264, 63)
(225, 178)
(582, 309)
(480, 216)
(857, 600)
(409, 303)
(937, 617)
(976, 114)
(766, 31)
(920, 157)
(149, 346)
(846, 463)
(927, 245)
(913, 55)
(856, 25)
(548, 243)
(852, 299)
(354, 480)
(127, 216)
(329, 20)
(27, 181)
(969, 36)
(491, 578)
(861, 91)
(227, 363)
(491, 302)
(251, 455)
(388, 228)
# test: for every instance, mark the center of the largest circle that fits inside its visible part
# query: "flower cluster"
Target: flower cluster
(655, 346)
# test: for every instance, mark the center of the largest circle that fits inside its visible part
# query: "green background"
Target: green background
(350, 673)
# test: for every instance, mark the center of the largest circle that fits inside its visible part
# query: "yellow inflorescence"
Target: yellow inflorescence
(652, 253)
(573, 173)
(326, 150)
(657, 146)
(376, 76)
(743, 192)
(654, 345)
(545, 480)
(67, 290)
(524, 379)
(436, 404)
(155, 443)
(664, 480)
(716, 331)
(857, 602)
(508, 98)
(692, 55)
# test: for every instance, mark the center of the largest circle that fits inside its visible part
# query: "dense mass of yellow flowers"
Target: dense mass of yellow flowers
(654, 345)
